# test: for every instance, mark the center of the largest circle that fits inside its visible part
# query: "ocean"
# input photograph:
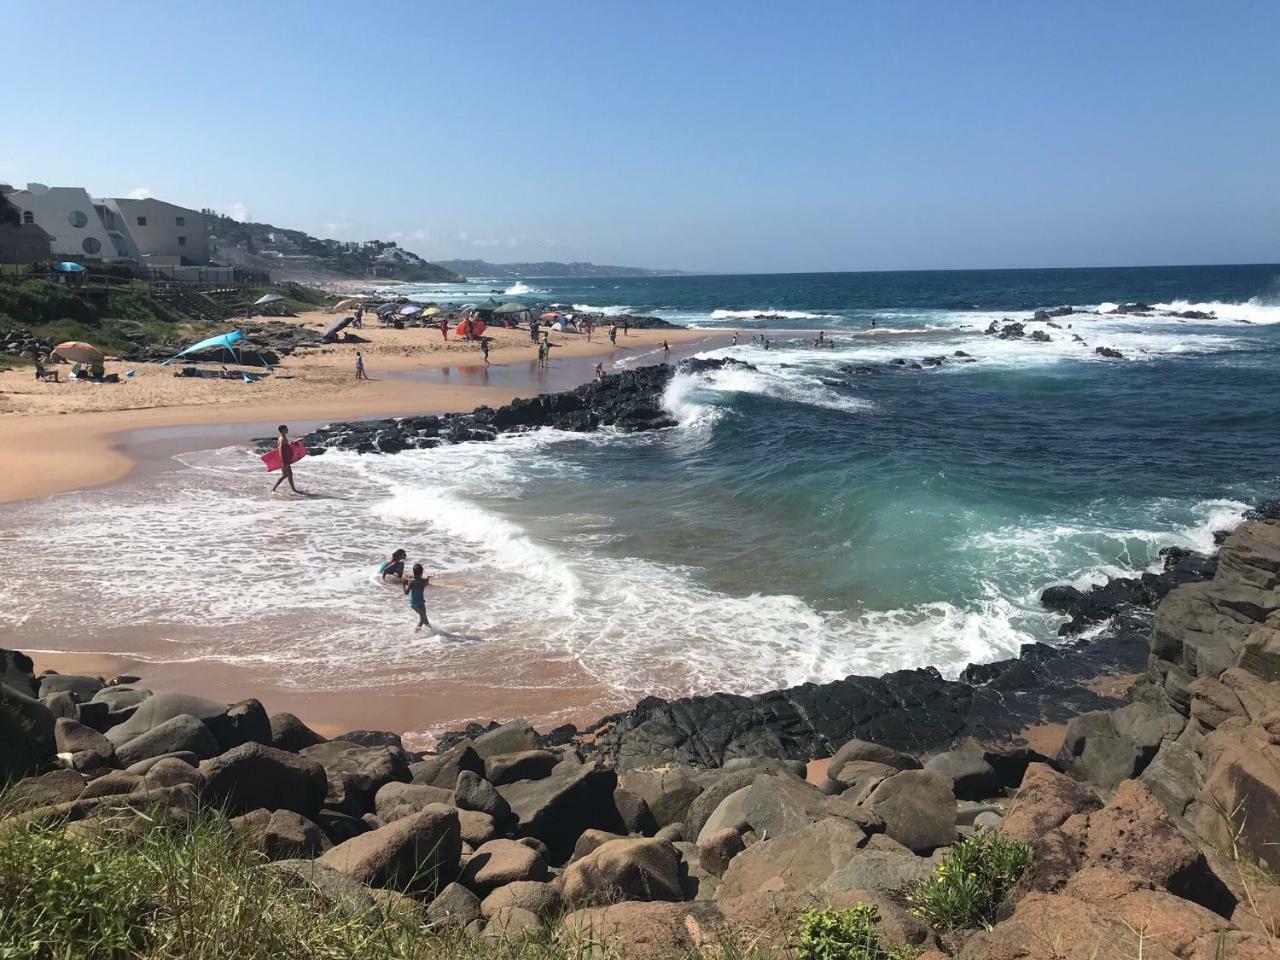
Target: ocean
(801, 523)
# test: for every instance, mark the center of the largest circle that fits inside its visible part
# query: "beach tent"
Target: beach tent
(488, 306)
(349, 304)
(225, 342)
(77, 351)
(512, 307)
(67, 266)
(409, 309)
(387, 309)
(470, 328)
(331, 332)
(558, 326)
(265, 299)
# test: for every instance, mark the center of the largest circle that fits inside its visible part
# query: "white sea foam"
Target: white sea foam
(1254, 310)
(520, 287)
(612, 310)
(772, 314)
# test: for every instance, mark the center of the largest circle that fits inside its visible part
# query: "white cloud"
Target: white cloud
(141, 193)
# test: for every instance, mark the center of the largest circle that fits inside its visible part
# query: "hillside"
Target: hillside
(547, 268)
(300, 257)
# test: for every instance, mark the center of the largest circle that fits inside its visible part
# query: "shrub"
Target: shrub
(845, 935)
(967, 887)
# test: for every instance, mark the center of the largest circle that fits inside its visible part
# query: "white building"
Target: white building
(164, 233)
(74, 226)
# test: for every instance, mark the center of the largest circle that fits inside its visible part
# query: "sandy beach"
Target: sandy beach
(64, 436)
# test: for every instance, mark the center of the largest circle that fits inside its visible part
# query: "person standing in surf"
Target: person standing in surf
(484, 348)
(613, 334)
(416, 590)
(286, 459)
(393, 567)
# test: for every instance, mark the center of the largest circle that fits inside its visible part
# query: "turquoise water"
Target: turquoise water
(799, 524)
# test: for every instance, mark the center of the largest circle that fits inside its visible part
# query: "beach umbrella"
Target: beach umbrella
(67, 266)
(346, 304)
(512, 307)
(267, 298)
(387, 309)
(410, 309)
(331, 332)
(470, 328)
(225, 342)
(550, 316)
(76, 351)
(432, 312)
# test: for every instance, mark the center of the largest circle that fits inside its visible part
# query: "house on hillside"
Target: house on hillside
(68, 216)
(19, 242)
(164, 234)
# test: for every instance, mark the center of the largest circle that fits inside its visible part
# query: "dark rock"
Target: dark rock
(416, 854)
(26, 733)
(354, 773)
(454, 907)
(627, 869)
(918, 809)
(473, 792)
(557, 809)
(972, 778)
(161, 707)
(82, 689)
(182, 733)
(395, 799)
(667, 793)
(443, 770)
(290, 733)
(636, 816)
(281, 834)
(525, 765)
(373, 738)
(253, 776)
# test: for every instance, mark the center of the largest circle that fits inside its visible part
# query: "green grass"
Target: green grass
(845, 935)
(967, 888)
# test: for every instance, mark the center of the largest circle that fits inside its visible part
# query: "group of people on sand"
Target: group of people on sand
(415, 587)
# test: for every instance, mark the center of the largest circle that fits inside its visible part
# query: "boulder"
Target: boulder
(374, 738)
(858, 778)
(442, 770)
(395, 799)
(918, 809)
(499, 862)
(891, 873)
(112, 784)
(354, 773)
(416, 854)
(121, 703)
(1241, 801)
(253, 776)
(454, 907)
(61, 705)
(525, 765)
(512, 924)
(625, 869)
(591, 839)
(170, 771)
(17, 673)
(668, 793)
(54, 787)
(800, 860)
(514, 737)
(82, 689)
(243, 722)
(715, 852)
(26, 734)
(290, 733)
(1106, 747)
(972, 778)
(730, 814)
(473, 792)
(558, 808)
(856, 750)
(161, 707)
(775, 806)
(476, 827)
(1044, 801)
(635, 814)
(85, 748)
(713, 794)
(180, 734)
(143, 766)
(540, 899)
(341, 827)
(281, 834)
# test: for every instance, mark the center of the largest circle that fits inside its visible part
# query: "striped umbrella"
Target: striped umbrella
(76, 351)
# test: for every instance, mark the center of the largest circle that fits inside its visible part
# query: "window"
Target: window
(182, 221)
(142, 221)
(182, 241)
(28, 217)
(77, 218)
(91, 245)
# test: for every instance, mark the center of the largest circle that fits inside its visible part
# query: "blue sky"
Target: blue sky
(715, 136)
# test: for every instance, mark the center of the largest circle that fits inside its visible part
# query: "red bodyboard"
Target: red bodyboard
(272, 458)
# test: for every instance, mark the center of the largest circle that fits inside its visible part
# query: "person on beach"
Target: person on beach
(416, 589)
(484, 348)
(542, 354)
(735, 338)
(360, 374)
(599, 373)
(393, 567)
(444, 329)
(359, 320)
(613, 334)
(626, 328)
(586, 324)
(873, 323)
(766, 342)
(666, 350)
(286, 459)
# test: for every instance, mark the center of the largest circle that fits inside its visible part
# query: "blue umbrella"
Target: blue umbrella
(226, 342)
(67, 266)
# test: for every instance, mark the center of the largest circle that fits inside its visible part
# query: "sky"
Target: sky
(708, 136)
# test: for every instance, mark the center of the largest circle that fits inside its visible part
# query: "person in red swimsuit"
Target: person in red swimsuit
(286, 459)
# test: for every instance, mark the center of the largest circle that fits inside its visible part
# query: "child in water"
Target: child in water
(393, 567)
(416, 589)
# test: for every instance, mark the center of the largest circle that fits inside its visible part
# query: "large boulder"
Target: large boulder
(473, 792)
(918, 809)
(281, 834)
(17, 673)
(625, 869)
(500, 862)
(516, 736)
(395, 799)
(171, 771)
(158, 708)
(716, 850)
(972, 778)
(181, 734)
(81, 746)
(254, 776)
(1241, 801)
(355, 773)
(47, 789)
(442, 770)
(668, 793)
(1108, 746)
(558, 808)
(26, 733)
(82, 689)
(416, 854)
(801, 860)
(290, 733)
(454, 907)
(540, 899)
(775, 806)
(121, 703)
(1044, 801)
(243, 722)
(862, 750)
(524, 765)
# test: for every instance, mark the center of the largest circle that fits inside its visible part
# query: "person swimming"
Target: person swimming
(393, 567)
(417, 589)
